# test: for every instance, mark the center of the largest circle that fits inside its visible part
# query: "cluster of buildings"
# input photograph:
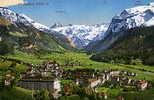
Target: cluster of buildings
(42, 77)
(93, 79)
(49, 75)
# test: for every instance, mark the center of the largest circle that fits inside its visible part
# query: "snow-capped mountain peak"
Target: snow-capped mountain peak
(57, 25)
(20, 18)
(82, 35)
(133, 17)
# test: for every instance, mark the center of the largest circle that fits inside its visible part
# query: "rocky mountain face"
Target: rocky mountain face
(133, 17)
(56, 25)
(140, 16)
(81, 35)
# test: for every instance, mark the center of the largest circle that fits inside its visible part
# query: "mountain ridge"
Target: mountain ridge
(140, 16)
(27, 35)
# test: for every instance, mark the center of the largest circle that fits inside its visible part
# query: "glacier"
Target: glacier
(82, 35)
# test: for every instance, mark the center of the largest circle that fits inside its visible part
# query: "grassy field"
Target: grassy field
(15, 94)
(144, 72)
(142, 95)
(6, 66)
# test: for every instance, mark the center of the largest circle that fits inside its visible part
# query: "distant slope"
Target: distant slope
(28, 39)
(136, 43)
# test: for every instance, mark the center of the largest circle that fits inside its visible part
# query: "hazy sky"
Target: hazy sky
(74, 11)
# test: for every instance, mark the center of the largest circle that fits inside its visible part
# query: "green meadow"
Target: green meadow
(143, 71)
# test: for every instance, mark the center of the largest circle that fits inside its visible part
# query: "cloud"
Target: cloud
(6, 3)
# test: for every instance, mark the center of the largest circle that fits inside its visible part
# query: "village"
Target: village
(49, 76)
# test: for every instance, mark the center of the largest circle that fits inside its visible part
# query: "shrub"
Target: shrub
(6, 47)
(136, 62)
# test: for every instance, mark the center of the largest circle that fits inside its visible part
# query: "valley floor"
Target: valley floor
(144, 73)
